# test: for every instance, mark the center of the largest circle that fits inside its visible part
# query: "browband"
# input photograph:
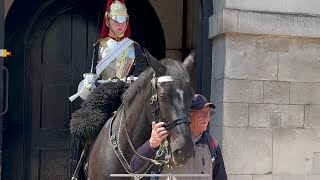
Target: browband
(164, 79)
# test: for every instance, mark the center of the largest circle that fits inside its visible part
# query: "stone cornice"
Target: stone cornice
(230, 21)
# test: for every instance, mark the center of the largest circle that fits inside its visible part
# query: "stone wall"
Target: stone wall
(266, 84)
(281, 6)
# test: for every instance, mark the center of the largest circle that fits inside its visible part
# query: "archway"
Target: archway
(51, 42)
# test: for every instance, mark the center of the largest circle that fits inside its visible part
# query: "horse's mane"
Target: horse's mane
(174, 68)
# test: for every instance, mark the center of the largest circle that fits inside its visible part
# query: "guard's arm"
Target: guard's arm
(140, 62)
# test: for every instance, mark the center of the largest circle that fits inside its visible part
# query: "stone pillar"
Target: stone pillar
(266, 84)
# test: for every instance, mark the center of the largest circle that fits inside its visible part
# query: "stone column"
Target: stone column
(266, 84)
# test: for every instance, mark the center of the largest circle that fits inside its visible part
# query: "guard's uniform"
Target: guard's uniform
(116, 54)
(129, 61)
(114, 57)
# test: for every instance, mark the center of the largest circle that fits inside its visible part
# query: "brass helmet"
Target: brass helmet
(117, 12)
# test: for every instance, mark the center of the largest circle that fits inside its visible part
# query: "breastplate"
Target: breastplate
(120, 66)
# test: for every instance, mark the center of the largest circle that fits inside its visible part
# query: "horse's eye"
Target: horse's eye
(162, 96)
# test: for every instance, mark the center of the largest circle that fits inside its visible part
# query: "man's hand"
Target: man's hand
(158, 134)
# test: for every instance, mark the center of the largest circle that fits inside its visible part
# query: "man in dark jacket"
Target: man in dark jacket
(207, 158)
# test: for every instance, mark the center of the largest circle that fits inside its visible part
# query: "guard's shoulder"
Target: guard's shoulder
(97, 42)
(135, 42)
(101, 41)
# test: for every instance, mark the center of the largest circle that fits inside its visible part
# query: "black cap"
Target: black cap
(200, 102)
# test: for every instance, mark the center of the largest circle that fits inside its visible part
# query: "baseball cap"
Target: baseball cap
(200, 102)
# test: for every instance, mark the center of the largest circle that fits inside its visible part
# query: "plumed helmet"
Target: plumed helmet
(117, 12)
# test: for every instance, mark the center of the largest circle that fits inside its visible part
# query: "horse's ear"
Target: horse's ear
(189, 63)
(154, 63)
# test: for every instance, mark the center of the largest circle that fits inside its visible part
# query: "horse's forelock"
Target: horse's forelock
(175, 69)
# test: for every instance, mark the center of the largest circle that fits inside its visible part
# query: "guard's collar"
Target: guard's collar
(116, 38)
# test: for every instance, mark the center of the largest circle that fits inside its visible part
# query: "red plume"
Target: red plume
(105, 28)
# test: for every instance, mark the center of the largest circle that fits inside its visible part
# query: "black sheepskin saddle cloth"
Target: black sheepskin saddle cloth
(97, 109)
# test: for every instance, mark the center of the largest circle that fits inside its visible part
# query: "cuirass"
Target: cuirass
(119, 67)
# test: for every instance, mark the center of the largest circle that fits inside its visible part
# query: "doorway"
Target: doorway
(51, 42)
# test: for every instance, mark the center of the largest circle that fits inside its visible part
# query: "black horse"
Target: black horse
(162, 93)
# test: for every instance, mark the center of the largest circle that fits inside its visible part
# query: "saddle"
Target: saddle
(87, 121)
(97, 109)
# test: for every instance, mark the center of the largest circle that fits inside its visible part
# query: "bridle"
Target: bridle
(163, 150)
(155, 103)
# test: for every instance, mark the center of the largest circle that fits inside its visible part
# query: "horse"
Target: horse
(161, 93)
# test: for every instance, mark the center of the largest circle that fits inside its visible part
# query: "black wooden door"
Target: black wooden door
(51, 41)
(56, 52)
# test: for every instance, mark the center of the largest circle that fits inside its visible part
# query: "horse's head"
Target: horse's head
(171, 95)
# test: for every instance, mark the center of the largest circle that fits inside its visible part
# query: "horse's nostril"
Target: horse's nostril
(180, 156)
(178, 152)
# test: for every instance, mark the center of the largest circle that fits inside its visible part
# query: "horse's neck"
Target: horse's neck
(137, 122)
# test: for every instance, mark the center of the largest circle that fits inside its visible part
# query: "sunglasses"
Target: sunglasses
(203, 113)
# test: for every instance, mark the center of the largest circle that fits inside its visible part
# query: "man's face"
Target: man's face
(117, 28)
(199, 119)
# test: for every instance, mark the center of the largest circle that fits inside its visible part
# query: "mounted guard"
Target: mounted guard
(115, 55)
(116, 60)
